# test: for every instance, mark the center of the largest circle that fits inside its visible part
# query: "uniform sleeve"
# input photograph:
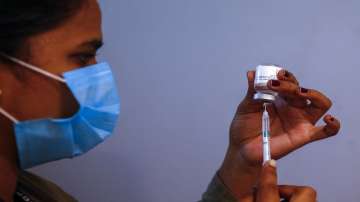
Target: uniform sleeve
(40, 189)
(217, 192)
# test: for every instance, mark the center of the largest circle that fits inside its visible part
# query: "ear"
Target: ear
(10, 71)
(10, 79)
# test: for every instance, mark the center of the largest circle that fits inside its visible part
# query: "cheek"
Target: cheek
(45, 98)
(68, 104)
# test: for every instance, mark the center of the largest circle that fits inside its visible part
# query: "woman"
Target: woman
(57, 37)
(44, 43)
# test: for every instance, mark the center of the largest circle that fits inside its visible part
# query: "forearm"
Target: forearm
(234, 181)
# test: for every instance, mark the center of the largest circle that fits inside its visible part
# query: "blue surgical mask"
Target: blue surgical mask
(45, 140)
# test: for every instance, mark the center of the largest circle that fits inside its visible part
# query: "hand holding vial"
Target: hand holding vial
(293, 116)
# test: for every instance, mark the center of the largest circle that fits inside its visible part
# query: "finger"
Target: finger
(285, 89)
(331, 128)
(287, 76)
(317, 99)
(267, 188)
(297, 102)
(297, 193)
(286, 191)
(320, 104)
(249, 105)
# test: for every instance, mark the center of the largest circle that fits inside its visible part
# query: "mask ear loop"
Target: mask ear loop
(7, 115)
(32, 67)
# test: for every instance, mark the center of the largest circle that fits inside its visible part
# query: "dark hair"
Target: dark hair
(20, 19)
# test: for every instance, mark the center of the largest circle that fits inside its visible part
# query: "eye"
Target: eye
(85, 58)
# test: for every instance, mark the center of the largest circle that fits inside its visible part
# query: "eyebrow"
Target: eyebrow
(94, 44)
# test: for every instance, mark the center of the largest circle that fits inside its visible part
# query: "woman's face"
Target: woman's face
(73, 44)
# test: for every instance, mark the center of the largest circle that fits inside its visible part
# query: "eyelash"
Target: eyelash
(84, 58)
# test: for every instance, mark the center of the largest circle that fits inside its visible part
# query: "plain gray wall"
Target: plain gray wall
(181, 68)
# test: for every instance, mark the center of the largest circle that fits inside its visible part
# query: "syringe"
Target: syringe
(266, 135)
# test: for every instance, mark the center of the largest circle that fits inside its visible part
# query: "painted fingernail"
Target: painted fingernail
(272, 163)
(304, 90)
(275, 83)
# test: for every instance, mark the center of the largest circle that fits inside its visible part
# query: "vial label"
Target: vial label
(265, 73)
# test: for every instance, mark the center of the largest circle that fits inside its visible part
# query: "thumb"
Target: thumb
(249, 105)
(267, 188)
(251, 80)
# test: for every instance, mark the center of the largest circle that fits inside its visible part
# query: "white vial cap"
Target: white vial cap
(264, 96)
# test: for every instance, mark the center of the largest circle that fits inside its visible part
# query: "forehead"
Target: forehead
(84, 25)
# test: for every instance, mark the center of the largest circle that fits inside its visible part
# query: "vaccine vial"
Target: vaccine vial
(263, 74)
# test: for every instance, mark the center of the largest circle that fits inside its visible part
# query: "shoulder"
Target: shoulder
(43, 188)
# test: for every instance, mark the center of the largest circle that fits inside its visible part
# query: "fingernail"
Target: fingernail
(272, 163)
(332, 119)
(275, 83)
(249, 73)
(304, 90)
